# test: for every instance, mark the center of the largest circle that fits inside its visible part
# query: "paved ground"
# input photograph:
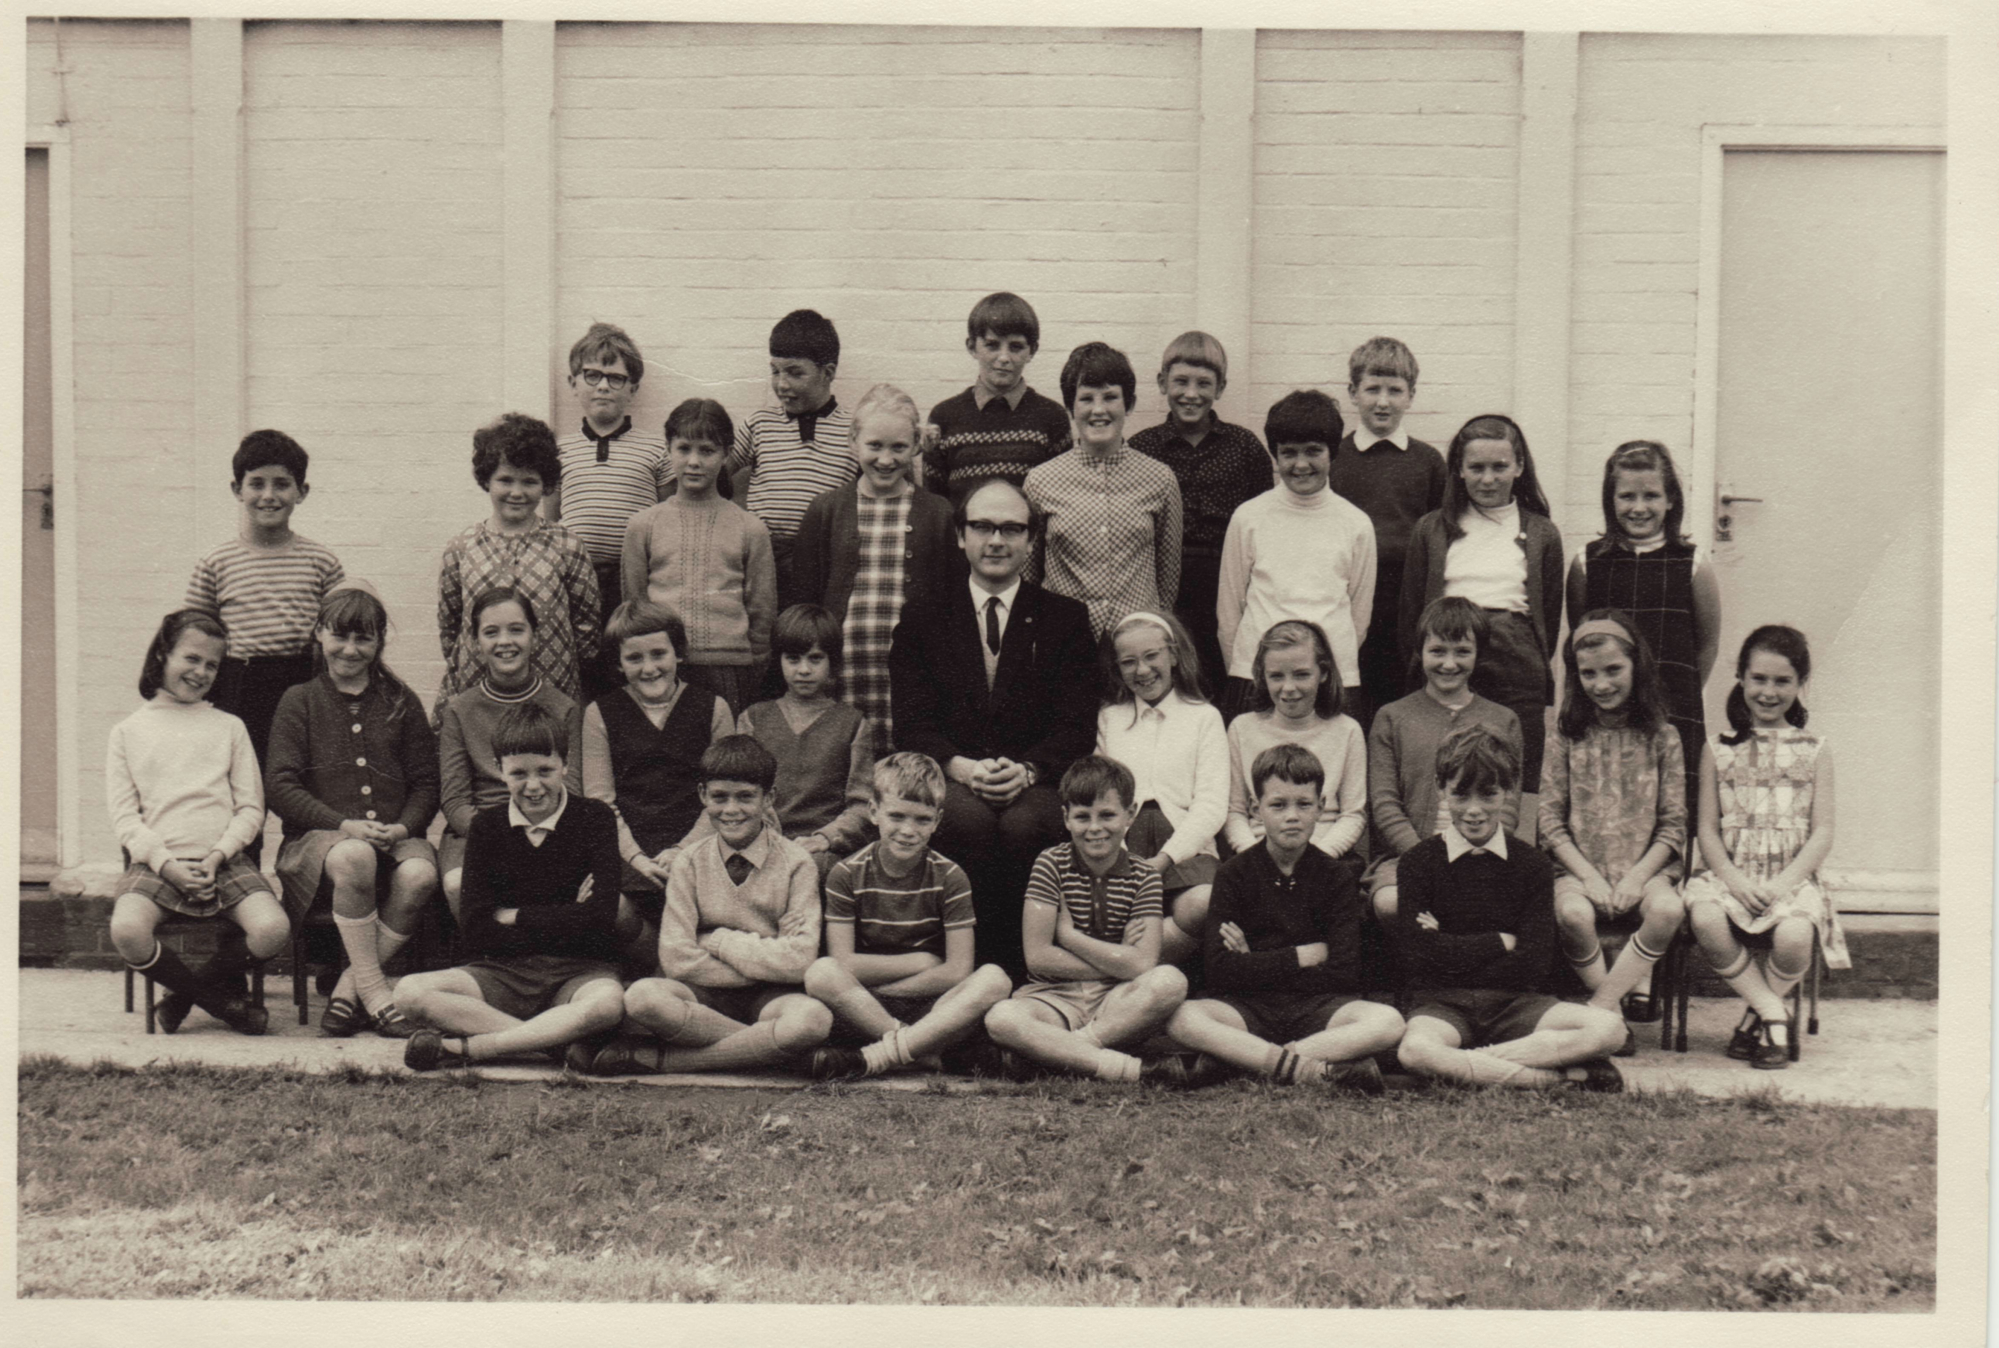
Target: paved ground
(1867, 1052)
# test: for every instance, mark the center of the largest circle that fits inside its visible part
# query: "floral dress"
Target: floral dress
(1764, 793)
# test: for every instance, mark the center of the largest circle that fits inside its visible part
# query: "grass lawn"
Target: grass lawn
(187, 1182)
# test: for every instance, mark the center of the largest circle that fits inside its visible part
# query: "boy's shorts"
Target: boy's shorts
(1078, 1003)
(238, 881)
(742, 1004)
(1281, 1019)
(524, 986)
(908, 1010)
(302, 867)
(1483, 1016)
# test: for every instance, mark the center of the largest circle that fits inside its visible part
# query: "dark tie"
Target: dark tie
(738, 867)
(992, 624)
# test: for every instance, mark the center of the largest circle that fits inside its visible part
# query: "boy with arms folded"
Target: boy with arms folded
(539, 904)
(740, 927)
(1476, 929)
(1090, 931)
(1282, 951)
(898, 974)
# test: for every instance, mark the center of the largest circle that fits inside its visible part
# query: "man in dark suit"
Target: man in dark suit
(996, 679)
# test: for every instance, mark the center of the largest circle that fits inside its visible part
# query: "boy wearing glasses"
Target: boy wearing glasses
(611, 470)
(989, 677)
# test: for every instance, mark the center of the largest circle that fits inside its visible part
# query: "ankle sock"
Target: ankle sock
(886, 1053)
(1115, 1066)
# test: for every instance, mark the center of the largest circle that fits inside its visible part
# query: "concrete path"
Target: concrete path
(1867, 1052)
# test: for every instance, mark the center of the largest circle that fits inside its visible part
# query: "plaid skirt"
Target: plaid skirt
(238, 881)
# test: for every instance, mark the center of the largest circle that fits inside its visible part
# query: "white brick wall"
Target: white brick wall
(1643, 100)
(710, 179)
(126, 98)
(373, 202)
(1385, 190)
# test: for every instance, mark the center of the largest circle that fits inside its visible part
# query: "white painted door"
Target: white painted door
(1827, 400)
(38, 626)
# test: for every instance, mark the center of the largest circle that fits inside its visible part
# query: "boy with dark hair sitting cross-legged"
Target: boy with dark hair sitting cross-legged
(1282, 951)
(539, 907)
(740, 927)
(1476, 925)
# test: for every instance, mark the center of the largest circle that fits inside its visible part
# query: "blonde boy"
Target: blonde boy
(898, 974)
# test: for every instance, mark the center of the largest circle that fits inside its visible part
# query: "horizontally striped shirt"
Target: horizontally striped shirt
(268, 598)
(1101, 906)
(599, 498)
(785, 472)
(898, 915)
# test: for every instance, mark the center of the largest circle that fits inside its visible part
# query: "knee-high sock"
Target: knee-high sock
(1633, 963)
(166, 969)
(1589, 967)
(225, 970)
(1747, 981)
(388, 941)
(362, 938)
(1781, 982)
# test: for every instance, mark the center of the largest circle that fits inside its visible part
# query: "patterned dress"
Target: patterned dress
(549, 566)
(1764, 791)
(1112, 537)
(874, 608)
(1612, 794)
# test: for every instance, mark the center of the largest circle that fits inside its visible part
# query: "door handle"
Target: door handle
(1724, 519)
(1729, 500)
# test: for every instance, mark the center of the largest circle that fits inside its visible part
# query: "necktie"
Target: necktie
(738, 867)
(604, 441)
(992, 624)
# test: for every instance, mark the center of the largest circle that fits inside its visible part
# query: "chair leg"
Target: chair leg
(151, 1014)
(128, 989)
(298, 968)
(1818, 964)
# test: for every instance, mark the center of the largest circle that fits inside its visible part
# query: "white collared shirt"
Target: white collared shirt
(979, 598)
(1364, 439)
(538, 832)
(1455, 845)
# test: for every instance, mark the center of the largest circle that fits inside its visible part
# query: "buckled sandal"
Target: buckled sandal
(344, 1019)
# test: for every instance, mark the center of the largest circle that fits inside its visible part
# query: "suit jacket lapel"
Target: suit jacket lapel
(1017, 645)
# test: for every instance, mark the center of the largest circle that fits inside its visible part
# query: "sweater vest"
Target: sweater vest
(656, 771)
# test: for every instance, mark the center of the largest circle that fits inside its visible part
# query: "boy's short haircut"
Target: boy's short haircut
(1454, 618)
(738, 758)
(261, 449)
(890, 400)
(1200, 349)
(1094, 775)
(1004, 314)
(525, 442)
(701, 419)
(1292, 763)
(529, 729)
(1303, 416)
(1480, 759)
(604, 343)
(912, 777)
(1384, 357)
(1035, 519)
(1097, 365)
(642, 618)
(801, 627)
(805, 334)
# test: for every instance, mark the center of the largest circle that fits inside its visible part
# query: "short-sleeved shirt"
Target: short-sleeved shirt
(268, 598)
(786, 472)
(898, 915)
(1101, 906)
(605, 481)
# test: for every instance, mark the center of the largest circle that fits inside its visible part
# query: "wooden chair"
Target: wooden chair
(1756, 942)
(175, 923)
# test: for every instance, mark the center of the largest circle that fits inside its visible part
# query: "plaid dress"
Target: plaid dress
(873, 609)
(551, 568)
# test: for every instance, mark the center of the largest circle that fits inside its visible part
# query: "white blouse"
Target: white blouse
(1179, 754)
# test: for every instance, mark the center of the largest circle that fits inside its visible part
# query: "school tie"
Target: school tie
(738, 867)
(992, 624)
